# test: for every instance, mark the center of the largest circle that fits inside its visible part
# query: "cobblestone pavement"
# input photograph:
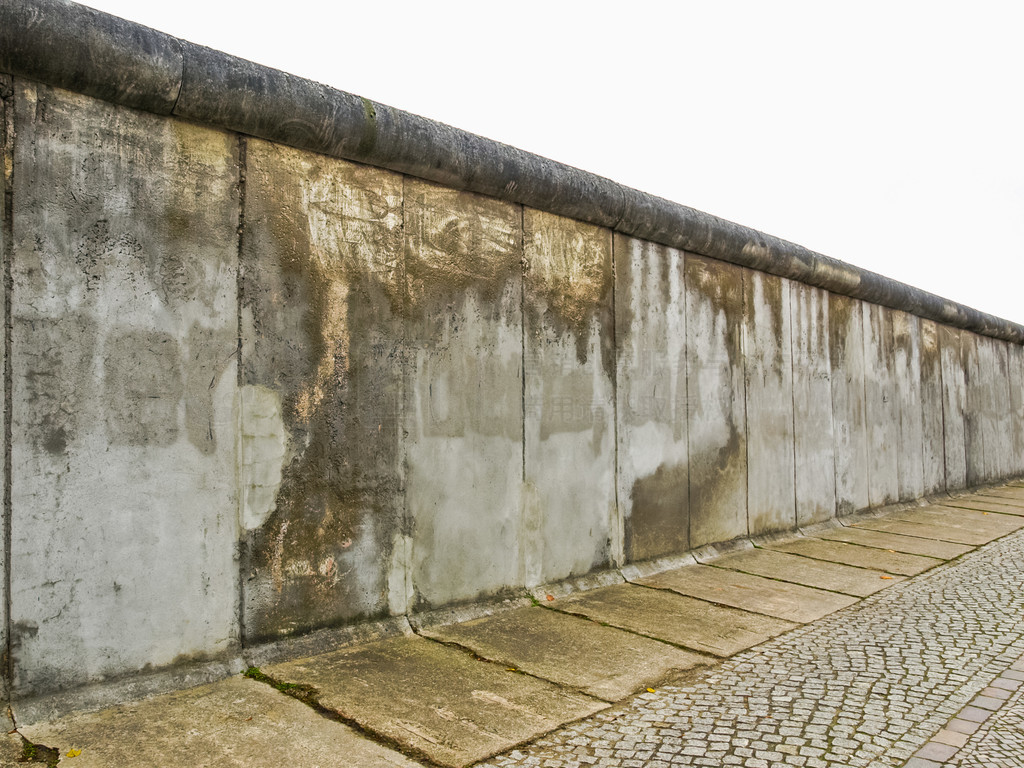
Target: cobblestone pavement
(999, 743)
(866, 686)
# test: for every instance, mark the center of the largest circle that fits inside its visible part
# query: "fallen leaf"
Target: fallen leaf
(650, 690)
(74, 752)
(885, 577)
(550, 597)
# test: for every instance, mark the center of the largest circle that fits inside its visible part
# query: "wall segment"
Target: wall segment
(270, 389)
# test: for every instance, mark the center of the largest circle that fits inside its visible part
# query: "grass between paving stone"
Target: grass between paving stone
(38, 753)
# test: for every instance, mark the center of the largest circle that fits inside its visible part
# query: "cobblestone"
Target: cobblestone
(866, 686)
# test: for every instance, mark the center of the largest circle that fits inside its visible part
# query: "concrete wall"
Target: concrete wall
(253, 390)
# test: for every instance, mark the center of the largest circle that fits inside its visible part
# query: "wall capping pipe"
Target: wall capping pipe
(64, 44)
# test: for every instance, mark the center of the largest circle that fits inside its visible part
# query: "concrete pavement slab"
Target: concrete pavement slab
(756, 594)
(927, 531)
(962, 519)
(912, 545)
(10, 749)
(1010, 495)
(836, 577)
(435, 701)
(860, 556)
(234, 722)
(570, 650)
(1003, 507)
(675, 618)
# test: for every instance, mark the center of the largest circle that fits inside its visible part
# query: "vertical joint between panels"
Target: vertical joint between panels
(619, 555)
(792, 399)
(7, 134)
(243, 147)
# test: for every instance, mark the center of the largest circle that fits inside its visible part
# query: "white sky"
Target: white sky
(886, 134)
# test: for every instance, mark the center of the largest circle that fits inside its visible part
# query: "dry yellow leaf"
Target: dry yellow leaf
(74, 752)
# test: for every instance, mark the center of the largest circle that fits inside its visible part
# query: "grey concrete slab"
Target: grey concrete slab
(569, 376)
(857, 555)
(650, 336)
(756, 594)
(813, 430)
(913, 545)
(954, 395)
(435, 700)
(768, 384)
(570, 650)
(322, 291)
(962, 519)
(846, 353)
(124, 335)
(1002, 463)
(463, 416)
(906, 334)
(715, 396)
(975, 362)
(1011, 495)
(235, 722)
(674, 618)
(6, 186)
(836, 577)
(881, 406)
(1015, 374)
(990, 504)
(11, 750)
(928, 531)
(933, 458)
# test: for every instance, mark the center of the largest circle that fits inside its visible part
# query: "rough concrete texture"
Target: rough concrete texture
(813, 422)
(235, 722)
(906, 335)
(124, 393)
(570, 650)
(756, 594)
(1015, 375)
(996, 504)
(6, 201)
(768, 385)
(835, 577)
(653, 460)
(933, 460)
(858, 555)
(715, 396)
(912, 545)
(881, 407)
(569, 400)
(322, 293)
(674, 618)
(962, 519)
(954, 400)
(436, 701)
(464, 392)
(846, 354)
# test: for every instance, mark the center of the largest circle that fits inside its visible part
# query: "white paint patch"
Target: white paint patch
(264, 445)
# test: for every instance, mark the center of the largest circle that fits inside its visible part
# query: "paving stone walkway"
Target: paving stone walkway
(866, 686)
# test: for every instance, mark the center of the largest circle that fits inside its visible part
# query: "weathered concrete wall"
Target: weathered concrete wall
(252, 390)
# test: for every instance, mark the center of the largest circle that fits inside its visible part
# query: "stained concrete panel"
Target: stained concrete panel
(768, 384)
(812, 406)
(1015, 375)
(435, 701)
(906, 334)
(674, 618)
(973, 351)
(124, 330)
(756, 594)
(954, 394)
(896, 542)
(716, 398)
(236, 723)
(859, 556)
(836, 577)
(653, 475)
(932, 438)
(601, 661)
(882, 418)
(464, 393)
(846, 354)
(1000, 461)
(569, 399)
(322, 292)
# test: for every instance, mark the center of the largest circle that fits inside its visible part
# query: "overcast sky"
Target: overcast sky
(886, 134)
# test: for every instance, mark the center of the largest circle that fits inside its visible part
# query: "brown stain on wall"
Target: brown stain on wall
(322, 274)
(658, 524)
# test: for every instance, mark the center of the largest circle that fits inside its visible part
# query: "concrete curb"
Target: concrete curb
(70, 46)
